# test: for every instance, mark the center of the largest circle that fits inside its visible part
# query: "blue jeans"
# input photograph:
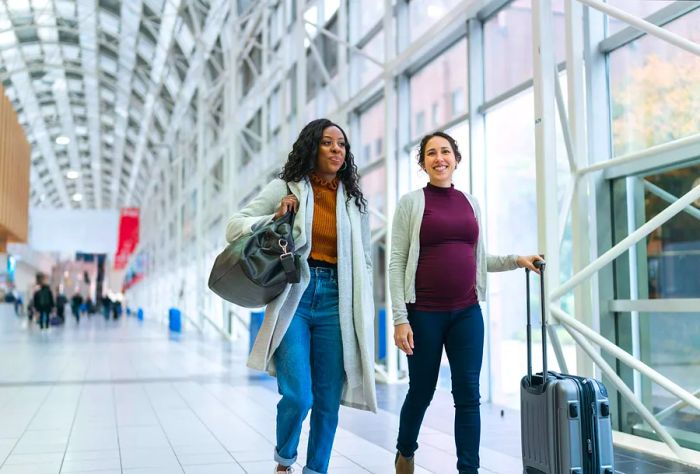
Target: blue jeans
(310, 374)
(44, 319)
(461, 332)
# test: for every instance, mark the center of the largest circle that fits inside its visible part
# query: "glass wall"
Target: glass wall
(635, 7)
(508, 45)
(655, 89)
(666, 259)
(439, 90)
(426, 14)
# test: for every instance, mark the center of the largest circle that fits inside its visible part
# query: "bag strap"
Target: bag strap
(291, 221)
(287, 258)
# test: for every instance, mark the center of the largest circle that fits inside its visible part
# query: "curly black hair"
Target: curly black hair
(302, 160)
(424, 141)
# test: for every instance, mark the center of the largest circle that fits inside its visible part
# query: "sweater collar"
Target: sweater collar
(332, 184)
(438, 189)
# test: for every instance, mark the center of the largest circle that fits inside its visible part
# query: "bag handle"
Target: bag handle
(541, 264)
(287, 257)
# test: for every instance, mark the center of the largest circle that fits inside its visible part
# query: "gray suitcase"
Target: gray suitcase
(565, 421)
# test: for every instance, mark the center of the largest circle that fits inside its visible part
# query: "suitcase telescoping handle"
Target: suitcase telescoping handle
(540, 264)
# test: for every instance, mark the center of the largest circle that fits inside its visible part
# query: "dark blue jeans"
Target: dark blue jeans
(461, 332)
(310, 374)
(44, 319)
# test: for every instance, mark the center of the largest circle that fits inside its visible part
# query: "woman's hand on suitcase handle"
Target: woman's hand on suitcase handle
(528, 262)
(288, 203)
(403, 338)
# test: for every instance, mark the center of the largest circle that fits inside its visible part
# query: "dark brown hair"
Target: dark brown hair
(424, 141)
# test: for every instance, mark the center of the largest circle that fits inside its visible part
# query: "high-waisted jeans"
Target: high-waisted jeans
(310, 374)
(461, 332)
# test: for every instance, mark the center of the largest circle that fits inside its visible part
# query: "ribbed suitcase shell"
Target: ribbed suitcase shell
(565, 422)
(561, 433)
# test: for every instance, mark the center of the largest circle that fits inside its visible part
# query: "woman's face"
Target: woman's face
(331, 152)
(439, 161)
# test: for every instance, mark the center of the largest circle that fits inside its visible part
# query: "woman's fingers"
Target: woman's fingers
(403, 338)
(288, 203)
(529, 262)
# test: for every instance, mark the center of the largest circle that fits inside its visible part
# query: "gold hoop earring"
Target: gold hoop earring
(344, 167)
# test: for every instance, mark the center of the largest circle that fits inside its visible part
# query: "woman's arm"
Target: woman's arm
(258, 211)
(501, 263)
(400, 245)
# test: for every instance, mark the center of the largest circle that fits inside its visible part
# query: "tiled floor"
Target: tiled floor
(123, 397)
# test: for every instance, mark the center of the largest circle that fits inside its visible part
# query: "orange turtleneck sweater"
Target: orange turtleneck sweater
(324, 244)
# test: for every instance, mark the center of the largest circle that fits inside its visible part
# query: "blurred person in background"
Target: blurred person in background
(61, 302)
(43, 301)
(75, 303)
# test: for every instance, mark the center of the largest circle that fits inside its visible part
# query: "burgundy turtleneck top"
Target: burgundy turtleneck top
(446, 274)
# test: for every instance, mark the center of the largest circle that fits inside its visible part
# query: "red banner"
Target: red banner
(128, 236)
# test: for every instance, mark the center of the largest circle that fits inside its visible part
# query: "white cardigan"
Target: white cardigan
(356, 303)
(405, 250)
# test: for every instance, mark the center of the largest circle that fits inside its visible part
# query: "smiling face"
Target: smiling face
(439, 161)
(331, 153)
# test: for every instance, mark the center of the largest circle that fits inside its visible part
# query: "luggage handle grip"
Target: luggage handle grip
(540, 264)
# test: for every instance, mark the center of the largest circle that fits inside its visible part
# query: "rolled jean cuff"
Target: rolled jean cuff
(308, 470)
(284, 461)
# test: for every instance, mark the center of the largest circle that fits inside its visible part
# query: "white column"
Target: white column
(390, 153)
(599, 230)
(202, 146)
(477, 163)
(545, 139)
(579, 213)
(298, 35)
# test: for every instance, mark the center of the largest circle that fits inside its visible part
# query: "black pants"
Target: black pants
(461, 333)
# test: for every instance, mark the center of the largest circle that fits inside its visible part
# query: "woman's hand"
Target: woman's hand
(288, 203)
(529, 262)
(403, 338)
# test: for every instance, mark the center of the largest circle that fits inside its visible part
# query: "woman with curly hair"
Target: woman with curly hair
(437, 276)
(318, 335)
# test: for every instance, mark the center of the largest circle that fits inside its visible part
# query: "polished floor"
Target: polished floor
(125, 397)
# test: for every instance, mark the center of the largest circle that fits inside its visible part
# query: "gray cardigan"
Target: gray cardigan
(405, 250)
(355, 303)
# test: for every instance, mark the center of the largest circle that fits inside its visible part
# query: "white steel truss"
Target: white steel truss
(91, 71)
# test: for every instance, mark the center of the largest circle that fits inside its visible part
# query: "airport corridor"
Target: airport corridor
(126, 397)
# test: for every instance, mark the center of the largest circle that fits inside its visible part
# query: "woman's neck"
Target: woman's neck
(441, 184)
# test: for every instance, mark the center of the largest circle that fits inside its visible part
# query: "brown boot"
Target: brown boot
(403, 465)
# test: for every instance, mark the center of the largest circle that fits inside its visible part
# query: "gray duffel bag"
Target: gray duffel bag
(254, 270)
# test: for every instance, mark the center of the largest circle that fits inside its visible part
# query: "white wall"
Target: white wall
(70, 231)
